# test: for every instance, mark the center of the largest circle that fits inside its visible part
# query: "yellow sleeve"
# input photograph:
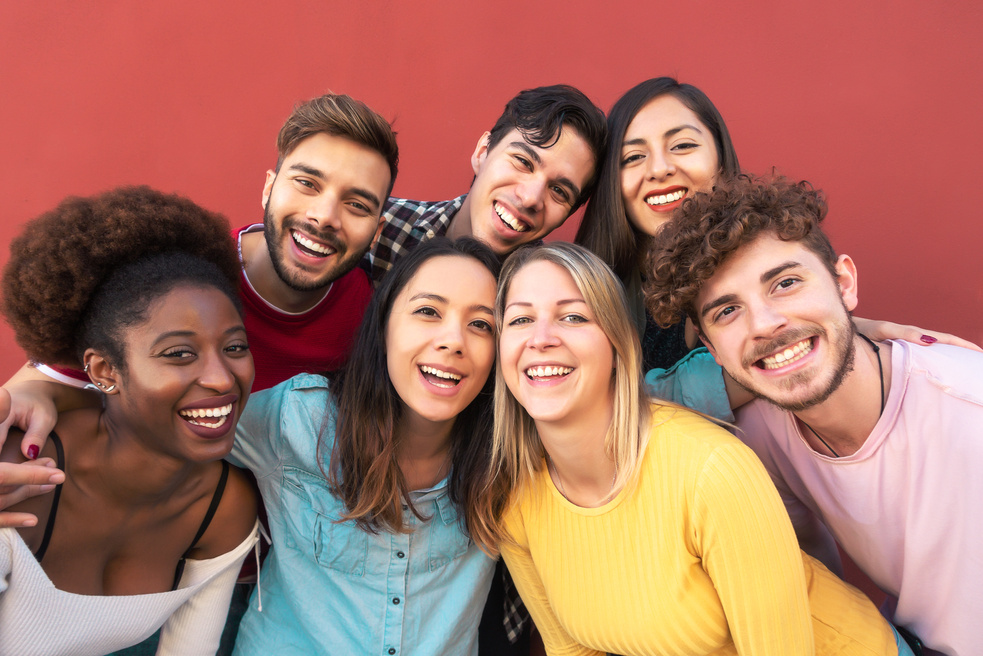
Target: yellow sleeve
(749, 550)
(523, 570)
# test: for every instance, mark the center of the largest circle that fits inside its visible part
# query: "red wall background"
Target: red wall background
(875, 102)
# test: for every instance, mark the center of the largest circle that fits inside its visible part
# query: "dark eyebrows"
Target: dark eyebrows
(723, 300)
(437, 298)
(534, 156)
(781, 268)
(640, 141)
(319, 174)
(765, 277)
(190, 333)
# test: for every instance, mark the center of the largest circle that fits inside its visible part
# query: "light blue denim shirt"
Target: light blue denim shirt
(696, 381)
(330, 588)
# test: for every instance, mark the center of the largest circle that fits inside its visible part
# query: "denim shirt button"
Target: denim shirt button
(396, 601)
(392, 650)
(400, 554)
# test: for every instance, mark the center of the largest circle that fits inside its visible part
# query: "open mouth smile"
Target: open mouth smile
(311, 247)
(547, 373)
(509, 219)
(788, 355)
(207, 417)
(440, 378)
(659, 200)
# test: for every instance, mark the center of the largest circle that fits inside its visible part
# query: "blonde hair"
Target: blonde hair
(517, 452)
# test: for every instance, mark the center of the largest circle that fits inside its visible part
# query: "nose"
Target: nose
(531, 193)
(451, 337)
(325, 211)
(765, 320)
(544, 336)
(661, 165)
(215, 373)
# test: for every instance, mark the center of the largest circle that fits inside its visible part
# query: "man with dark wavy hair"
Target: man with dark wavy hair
(880, 441)
(532, 170)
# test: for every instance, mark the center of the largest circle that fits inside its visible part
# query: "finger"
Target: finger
(30, 474)
(17, 520)
(36, 436)
(931, 337)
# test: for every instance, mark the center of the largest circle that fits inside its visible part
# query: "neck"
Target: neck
(424, 453)
(582, 469)
(846, 419)
(460, 225)
(258, 265)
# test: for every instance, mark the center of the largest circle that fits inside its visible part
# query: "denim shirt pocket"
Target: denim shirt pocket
(340, 546)
(448, 540)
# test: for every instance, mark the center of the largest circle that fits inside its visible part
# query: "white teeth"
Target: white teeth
(307, 243)
(665, 199)
(222, 414)
(439, 374)
(546, 372)
(509, 219)
(788, 356)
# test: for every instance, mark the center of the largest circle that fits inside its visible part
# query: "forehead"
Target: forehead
(748, 266)
(341, 158)
(662, 114)
(187, 305)
(542, 281)
(456, 278)
(569, 156)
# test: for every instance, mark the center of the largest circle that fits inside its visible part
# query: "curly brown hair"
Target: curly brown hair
(62, 257)
(709, 227)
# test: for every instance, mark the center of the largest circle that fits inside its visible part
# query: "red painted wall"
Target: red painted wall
(875, 102)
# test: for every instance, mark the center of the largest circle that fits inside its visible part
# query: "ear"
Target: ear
(846, 277)
(101, 372)
(268, 187)
(480, 152)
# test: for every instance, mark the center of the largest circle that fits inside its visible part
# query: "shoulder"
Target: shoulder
(234, 518)
(404, 210)
(950, 370)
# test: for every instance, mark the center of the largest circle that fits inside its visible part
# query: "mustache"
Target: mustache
(781, 341)
(325, 237)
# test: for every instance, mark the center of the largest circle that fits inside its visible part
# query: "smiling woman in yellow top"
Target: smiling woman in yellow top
(637, 527)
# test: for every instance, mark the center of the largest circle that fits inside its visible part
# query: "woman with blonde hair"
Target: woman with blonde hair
(636, 526)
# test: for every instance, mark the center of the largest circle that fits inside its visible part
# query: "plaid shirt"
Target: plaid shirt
(408, 224)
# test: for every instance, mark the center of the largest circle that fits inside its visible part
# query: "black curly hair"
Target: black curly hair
(64, 256)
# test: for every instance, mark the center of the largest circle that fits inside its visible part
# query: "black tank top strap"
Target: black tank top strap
(209, 514)
(50, 526)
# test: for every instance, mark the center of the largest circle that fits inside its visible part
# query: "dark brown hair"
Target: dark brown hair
(63, 256)
(341, 116)
(709, 227)
(364, 472)
(606, 230)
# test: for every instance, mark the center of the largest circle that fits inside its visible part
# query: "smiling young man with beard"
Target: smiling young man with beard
(532, 170)
(880, 441)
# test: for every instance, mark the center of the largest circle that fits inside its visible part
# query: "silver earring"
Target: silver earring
(85, 369)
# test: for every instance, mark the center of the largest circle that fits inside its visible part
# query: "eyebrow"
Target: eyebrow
(191, 333)
(565, 301)
(765, 277)
(534, 156)
(668, 133)
(319, 174)
(437, 298)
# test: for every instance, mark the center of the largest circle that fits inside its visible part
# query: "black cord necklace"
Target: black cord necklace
(880, 371)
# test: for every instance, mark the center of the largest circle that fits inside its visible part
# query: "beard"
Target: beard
(296, 277)
(843, 349)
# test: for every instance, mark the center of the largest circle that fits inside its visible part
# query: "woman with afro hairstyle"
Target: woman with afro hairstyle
(149, 528)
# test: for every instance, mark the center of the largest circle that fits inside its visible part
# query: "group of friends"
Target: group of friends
(667, 429)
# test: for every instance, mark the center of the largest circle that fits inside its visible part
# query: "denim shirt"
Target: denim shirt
(696, 382)
(332, 588)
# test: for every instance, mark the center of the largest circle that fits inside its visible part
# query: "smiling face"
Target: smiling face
(667, 155)
(188, 374)
(555, 358)
(440, 344)
(776, 320)
(322, 209)
(522, 192)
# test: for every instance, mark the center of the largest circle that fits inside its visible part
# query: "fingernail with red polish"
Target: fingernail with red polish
(32, 452)
(928, 339)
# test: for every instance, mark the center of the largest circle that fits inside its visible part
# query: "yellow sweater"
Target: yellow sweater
(699, 557)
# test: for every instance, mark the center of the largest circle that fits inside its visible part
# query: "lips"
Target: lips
(310, 247)
(508, 218)
(210, 418)
(666, 199)
(788, 355)
(548, 372)
(440, 377)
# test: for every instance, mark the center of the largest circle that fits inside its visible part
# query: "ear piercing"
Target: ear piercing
(105, 389)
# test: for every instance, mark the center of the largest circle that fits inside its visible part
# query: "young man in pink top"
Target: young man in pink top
(881, 442)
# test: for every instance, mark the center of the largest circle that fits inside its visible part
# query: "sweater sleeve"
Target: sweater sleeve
(523, 570)
(749, 550)
(196, 626)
